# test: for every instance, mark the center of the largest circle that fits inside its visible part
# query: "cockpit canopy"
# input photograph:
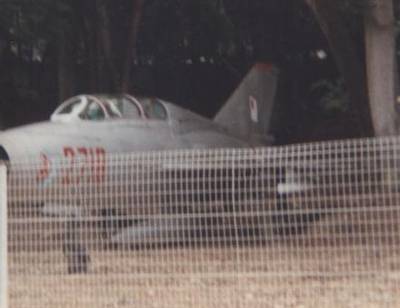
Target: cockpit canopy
(108, 107)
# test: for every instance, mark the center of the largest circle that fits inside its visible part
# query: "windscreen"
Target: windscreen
(121, 107)
(153, 109)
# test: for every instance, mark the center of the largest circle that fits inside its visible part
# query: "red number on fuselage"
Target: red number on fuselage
(84, 164)
(100, 165)
(44, 170)
(69, 154)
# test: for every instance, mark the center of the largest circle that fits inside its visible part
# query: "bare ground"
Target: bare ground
(340, 261)
(210, 277)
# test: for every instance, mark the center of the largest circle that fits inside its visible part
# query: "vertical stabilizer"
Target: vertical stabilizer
(248, 111)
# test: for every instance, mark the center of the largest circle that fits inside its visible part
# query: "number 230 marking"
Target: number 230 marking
(84, 164)
(81, 165)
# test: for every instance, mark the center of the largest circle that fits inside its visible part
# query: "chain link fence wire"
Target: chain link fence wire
(312, 225)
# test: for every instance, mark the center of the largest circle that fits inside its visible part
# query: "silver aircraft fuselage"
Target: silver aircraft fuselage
(181, 129)
(123, 123)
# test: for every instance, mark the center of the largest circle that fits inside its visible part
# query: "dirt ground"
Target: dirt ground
(341, 261)
(277, 276)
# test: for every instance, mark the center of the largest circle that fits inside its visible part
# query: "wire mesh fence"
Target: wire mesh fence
(297, 226)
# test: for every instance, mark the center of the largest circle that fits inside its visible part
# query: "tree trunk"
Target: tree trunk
(66, 74)
(88, 28)
(349, 62)
(106, 45)
(381, 66)
(131, 48)
(91, 57)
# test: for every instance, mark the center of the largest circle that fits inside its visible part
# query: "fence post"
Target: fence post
(3, 238)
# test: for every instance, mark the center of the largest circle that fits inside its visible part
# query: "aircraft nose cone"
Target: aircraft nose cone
(5, 145)
(10, 146)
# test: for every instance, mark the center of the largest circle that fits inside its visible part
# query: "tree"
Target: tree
(131, 55)
(381, 66)
(178, 48)
(368, 70)
(335, 25)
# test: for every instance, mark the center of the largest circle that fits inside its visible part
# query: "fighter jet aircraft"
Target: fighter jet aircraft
(97, 125)
(123, 123)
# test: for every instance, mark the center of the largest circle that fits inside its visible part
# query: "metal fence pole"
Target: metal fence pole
(3, 238)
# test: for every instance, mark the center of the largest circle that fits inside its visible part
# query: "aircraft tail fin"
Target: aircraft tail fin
(248, 111)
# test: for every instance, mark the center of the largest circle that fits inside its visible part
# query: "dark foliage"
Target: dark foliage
(190, 52)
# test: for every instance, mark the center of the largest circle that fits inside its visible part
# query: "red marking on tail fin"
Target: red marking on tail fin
(264, 66)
